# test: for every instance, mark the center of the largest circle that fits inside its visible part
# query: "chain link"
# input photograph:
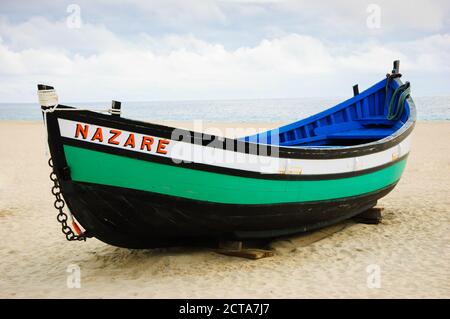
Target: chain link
(59, 205)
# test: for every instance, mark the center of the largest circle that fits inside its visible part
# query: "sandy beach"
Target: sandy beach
(410, 248)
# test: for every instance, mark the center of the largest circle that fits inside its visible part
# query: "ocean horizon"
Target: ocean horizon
(242, 110)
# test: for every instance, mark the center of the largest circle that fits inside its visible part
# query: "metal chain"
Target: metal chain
(59, 205)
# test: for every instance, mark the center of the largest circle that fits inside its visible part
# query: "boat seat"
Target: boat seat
(376, 120)
(362, 134)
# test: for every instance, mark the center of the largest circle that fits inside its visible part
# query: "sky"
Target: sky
(231, 49)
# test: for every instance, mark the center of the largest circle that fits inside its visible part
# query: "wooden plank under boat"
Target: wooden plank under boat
(141, 185)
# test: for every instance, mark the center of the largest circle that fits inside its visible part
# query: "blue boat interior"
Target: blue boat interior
(368, 116)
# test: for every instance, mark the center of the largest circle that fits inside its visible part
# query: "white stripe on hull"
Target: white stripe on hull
(184, 151)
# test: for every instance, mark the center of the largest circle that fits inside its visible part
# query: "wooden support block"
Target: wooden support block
(249, 253)
(371, 216)
(230, 245)
(289, 244)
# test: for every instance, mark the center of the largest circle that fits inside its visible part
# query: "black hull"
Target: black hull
(136, 219)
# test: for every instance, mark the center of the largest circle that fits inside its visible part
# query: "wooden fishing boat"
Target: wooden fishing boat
(135, 184)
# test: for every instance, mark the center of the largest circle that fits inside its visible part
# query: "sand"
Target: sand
(410, 248)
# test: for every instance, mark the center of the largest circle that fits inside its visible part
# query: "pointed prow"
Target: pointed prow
(47, 96)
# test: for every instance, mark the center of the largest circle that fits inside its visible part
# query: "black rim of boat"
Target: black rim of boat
(248, 147)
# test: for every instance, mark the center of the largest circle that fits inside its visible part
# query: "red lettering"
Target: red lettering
(130, 141)
(147, 142)
(161, 146)
(98, 135)
(80, 130)
(112, 139)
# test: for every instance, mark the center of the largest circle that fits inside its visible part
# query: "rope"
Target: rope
(395, 110)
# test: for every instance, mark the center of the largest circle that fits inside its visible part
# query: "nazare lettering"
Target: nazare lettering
(126, 140)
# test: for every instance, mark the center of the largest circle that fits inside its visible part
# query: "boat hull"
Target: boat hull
(140, 185)
(135, 200)
(138, 219)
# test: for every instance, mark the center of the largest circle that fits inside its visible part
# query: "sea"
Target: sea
(240, 111)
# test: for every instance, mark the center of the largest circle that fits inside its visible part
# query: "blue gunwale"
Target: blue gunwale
(361, 119)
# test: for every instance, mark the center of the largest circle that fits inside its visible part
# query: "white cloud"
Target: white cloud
(144, 67)
(350, 15)
(179, 12)
(39, 32)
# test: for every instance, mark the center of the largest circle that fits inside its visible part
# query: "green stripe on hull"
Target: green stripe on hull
(114, 170)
